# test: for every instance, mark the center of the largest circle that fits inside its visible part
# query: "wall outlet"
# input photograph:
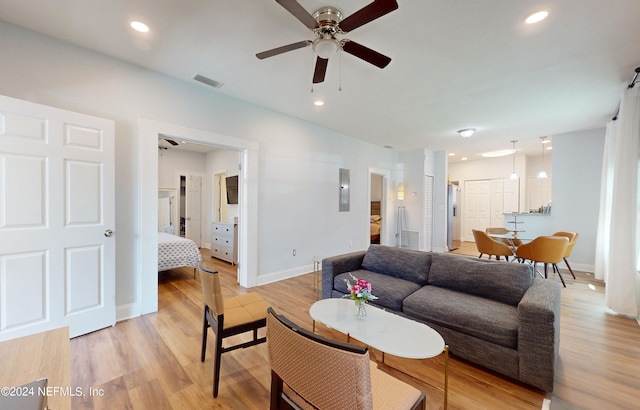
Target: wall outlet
(350, 244)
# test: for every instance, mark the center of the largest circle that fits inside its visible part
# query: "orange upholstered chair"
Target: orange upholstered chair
(488, 246)
(229, 317)
(548, 250)
(503, 231)
(311, 371)
(573, 237)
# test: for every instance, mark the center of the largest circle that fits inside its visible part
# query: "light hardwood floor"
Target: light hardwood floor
(153, 361)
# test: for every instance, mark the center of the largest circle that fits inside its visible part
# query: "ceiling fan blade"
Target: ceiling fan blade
(367, 54)
(367, 14)
(320, 70)
(299, 12)
(172, 142)
(283, 49)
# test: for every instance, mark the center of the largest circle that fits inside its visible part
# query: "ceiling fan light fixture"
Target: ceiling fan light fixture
(325, 47)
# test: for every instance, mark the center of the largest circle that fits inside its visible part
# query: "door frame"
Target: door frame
(217, 199)
(385, 209)
(147, 292)
(186, 175)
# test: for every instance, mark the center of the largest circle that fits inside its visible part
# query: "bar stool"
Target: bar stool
(548, 250)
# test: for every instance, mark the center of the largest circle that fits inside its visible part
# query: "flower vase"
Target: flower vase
(361, 312)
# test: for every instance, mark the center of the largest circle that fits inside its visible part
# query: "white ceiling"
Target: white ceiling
(455, 64)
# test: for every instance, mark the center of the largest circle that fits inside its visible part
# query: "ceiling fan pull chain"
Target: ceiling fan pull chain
(313, 62)
(339, 70)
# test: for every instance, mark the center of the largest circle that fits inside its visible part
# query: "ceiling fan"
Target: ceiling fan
(327, 23)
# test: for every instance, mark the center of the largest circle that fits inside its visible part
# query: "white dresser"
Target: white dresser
(224, 241)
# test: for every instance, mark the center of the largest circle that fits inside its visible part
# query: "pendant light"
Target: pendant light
(513, 171)
(543, 173)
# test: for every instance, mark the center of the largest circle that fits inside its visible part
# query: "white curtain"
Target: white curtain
(617, 244)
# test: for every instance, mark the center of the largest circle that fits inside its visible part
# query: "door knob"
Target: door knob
(108, 233)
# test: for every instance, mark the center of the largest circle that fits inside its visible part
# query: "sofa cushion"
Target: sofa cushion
(402, 263)
(390, 290)
(501, 281)
(483, 318)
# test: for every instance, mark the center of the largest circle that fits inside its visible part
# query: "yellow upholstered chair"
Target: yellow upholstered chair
(503, 231)
(573, 237)
(311, 371)
(229, 317)
(488, 246)
(548, 250)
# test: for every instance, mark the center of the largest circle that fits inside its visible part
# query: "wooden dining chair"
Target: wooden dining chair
(311, 371)
(488, 246)
(229, 317)
(573, 237)
(548, 250)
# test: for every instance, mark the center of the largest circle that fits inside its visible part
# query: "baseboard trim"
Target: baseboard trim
(284, 274)
(128, 311)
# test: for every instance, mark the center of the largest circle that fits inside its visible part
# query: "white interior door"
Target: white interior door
(57, 252)
(497, 202)
(193, 207)
(511, 195)
(477, 207)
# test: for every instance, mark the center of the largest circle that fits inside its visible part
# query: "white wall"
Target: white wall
(172, 162)
(298, 161)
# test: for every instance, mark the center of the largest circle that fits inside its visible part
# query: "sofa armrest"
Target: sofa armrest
(335, 265)
(539, 333)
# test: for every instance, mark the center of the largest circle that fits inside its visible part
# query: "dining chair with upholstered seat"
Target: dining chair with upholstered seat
(488, 246)
(503, 231)
(573, 237)
(229, 317)
(311, 371)
(548, 250)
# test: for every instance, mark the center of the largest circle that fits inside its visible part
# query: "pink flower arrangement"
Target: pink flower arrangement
(360, 291)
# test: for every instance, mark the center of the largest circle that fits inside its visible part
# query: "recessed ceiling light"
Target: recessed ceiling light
(139, 26)
(467, 132)
(452, 154)
(501, 153)
(318, 103)
(536, 17)
(463, 158)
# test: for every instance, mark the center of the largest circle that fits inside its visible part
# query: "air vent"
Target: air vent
(207, 81)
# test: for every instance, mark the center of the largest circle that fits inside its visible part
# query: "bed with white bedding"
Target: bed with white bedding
(176, 252)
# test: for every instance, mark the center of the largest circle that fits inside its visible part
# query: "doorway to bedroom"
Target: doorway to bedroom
(378, 209)
(246, 167)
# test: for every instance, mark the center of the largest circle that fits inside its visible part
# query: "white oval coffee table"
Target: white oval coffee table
(382, 330)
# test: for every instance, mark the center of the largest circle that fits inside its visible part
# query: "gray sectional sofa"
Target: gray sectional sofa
(493, 313)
